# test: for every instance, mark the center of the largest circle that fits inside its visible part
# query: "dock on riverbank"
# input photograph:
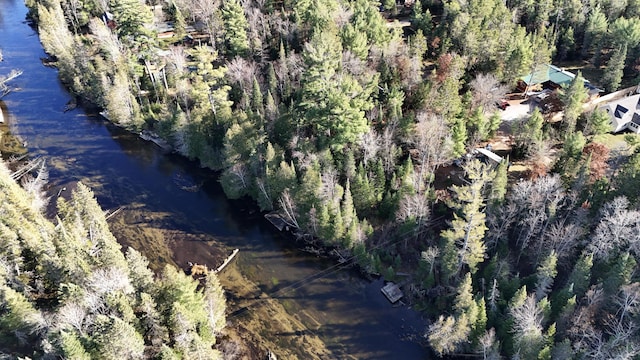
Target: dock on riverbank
(392, 292)
(226, 262)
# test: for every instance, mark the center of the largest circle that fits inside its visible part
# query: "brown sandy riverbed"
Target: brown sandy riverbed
(251, 313)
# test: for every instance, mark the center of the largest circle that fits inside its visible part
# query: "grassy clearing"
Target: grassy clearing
(616, 142)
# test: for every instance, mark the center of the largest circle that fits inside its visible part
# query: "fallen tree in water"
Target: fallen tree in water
(4, 79)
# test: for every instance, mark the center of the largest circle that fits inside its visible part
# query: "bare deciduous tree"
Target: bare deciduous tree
(388, 150)
(34, 185)
(431, 143)
(563, 238)
(615, 230)
(242, 72)
(4, 88)
(288, 205)
(488, 345)
(104, 281)
(487, 91)
(370, 144)
(107, 39)
(539, 202)
(527, 327)
(72, 314)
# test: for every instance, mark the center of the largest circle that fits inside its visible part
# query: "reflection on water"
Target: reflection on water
(172, 205)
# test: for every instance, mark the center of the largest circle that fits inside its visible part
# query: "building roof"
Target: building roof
(557, 76)
(551, 73)
(623, 112)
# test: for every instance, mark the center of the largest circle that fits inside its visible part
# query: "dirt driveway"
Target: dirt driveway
(517, 109)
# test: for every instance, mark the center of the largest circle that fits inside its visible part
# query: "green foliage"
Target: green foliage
(131, 16)
(573, 98)
(595, 31)
(80, 259)
(333, 102)
(499, 183)
(613, 73)
(530, 135)
(332, 72)
(235, 28)
(599, 122)
(459, 137)
(468, 225)
(368, 20)
(625, 32)
(116, 339)
(72, 347)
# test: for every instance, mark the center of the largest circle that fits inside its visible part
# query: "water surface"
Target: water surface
(157, 192)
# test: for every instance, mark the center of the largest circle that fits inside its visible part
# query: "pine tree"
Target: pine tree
(595, 31)
(131, 16)
(256, 98)
(459, 137)
(499, 183)
(468, 225)
(613, 73)
(72, 348)
(573, 98)
(333, 103)
(116, 339)
(532, 136)
(598, 123)
(546, 274)
(478, 127)
(580, 277)
(235, 28)
(355, 41)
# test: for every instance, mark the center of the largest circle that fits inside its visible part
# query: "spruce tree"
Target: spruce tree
(573, 98)
(468, 227)
(613, 73)
(235, 28)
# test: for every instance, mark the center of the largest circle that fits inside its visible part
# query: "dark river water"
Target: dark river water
(351, 315)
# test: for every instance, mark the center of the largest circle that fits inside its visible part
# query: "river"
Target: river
(176, 212)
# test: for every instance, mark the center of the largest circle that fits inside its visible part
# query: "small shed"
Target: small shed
(392, 292)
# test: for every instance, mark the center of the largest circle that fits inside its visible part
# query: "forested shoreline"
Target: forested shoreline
(68, 290)
(340, 118)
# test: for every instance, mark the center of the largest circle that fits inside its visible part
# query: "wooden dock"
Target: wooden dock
(276, 220)
(392, 292)
(226, 262)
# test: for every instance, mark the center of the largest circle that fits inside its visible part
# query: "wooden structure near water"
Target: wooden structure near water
(392, 292)
(277, 220)
(226, 262)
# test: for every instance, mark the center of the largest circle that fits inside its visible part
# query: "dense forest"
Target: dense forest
(68, 291)
(339, 115)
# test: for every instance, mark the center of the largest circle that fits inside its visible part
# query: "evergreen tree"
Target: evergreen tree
(256, 98)
(546, 273)
(598, 122)
(459, 137)
(499, 183)
(131, 17)
(595, 32)
(333, 103)
(468, 225)
(613, 73)
(573, 98)
(235, 28)
(580, 277)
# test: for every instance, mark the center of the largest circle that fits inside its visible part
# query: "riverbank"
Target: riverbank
(175, 211)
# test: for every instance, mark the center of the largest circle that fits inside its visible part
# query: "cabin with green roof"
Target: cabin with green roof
(551, 77)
